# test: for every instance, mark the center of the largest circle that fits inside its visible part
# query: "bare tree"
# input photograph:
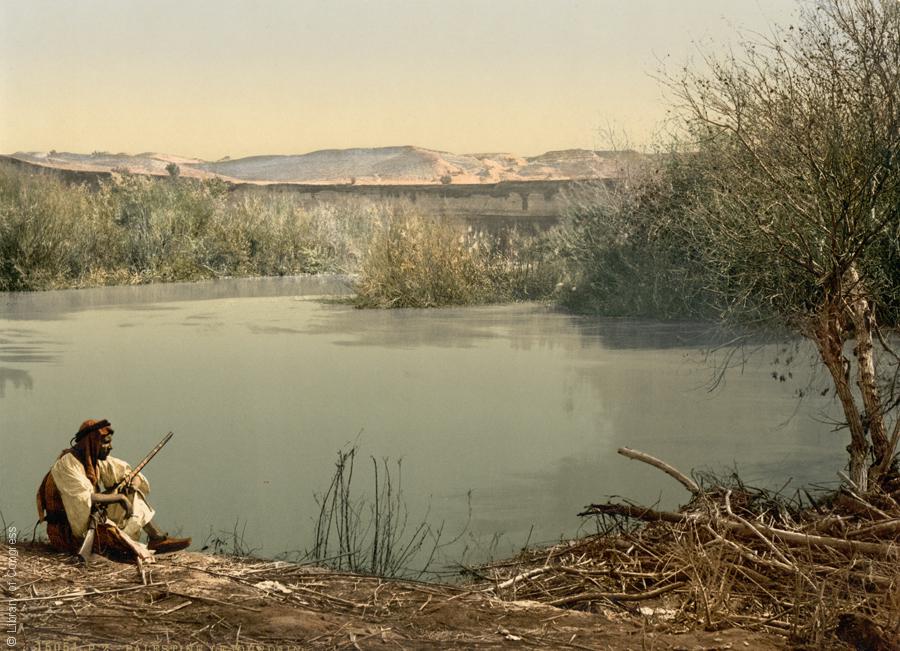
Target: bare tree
(797, 136)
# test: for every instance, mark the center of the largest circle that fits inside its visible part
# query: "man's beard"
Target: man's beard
(103, 454)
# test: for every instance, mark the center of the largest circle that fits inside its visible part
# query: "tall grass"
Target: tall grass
(135, 229)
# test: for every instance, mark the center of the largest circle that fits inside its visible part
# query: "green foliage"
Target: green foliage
(882, 268)
(798, 143)
(45, 227)
(790, 184)
(137, 229)
(625, 249)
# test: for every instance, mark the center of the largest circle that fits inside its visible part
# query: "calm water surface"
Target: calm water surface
(507, 417)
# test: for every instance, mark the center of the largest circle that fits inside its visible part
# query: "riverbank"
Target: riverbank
(200, 601)
(734, 567)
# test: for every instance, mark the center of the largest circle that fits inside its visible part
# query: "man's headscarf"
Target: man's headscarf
(86, 445)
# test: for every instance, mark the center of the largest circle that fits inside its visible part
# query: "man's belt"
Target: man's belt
(56, 517)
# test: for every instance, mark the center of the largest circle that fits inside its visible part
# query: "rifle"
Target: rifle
(98, 513)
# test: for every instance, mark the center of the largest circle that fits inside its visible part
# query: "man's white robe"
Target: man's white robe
(75, 489)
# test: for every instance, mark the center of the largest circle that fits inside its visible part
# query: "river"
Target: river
(506, 418)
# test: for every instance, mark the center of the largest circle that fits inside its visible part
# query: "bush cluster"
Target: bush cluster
(627, 249)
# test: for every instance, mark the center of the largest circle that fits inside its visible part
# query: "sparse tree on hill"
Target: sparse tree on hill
(173, 170)
(797, 138)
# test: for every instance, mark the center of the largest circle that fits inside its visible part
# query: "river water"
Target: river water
(506, 418)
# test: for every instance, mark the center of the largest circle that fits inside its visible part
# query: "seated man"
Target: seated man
(70, 494)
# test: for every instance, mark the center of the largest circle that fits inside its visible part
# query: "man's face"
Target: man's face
(105, 444)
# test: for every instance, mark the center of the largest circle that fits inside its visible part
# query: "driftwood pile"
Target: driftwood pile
(817, 571)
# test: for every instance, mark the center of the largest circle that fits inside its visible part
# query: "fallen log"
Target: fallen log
(638, 513)
(887, 527)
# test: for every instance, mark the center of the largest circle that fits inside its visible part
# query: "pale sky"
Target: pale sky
(242, 77)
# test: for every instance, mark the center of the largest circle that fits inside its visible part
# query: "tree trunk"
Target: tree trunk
(863, 319)
(828, 335)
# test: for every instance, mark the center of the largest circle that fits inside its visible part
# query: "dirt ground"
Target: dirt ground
(199, 601)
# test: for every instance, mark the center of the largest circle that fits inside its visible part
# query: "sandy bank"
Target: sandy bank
(198, 601)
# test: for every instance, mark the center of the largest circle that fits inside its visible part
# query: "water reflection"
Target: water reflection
(57, 304)
(22, 345)
(625, 334)
(17, 378)
(408, 328)
(272, 330)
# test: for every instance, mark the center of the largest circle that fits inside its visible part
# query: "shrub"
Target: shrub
(625, 249)
(414, 262)
(417, 262)
(45, 228)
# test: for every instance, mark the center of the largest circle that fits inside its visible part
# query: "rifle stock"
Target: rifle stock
(85, 551)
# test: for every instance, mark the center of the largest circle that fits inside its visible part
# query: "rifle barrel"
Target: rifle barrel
(146, 460)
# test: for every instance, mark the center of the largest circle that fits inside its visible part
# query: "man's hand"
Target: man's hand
(113, 498)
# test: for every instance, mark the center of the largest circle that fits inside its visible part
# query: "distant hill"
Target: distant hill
(373, 166)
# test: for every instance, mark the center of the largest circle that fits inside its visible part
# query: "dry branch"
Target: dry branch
(886, 527)
(881, 550)
(81, 594)
(617, 596)
(638, 513)
(673, 472)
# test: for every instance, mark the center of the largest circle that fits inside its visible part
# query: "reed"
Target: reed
(371, 535)
(230, 543)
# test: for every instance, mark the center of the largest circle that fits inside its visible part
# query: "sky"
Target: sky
(241, 77)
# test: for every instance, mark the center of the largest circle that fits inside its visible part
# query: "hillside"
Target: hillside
(374, 166)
